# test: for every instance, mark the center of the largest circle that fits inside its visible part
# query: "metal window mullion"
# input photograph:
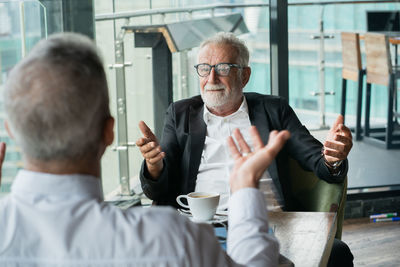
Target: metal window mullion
(279, 51)
(22, 28)
(122, 129)
(321, 56)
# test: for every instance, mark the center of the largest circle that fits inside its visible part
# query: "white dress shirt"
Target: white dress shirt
(216, 162)
(61, 220)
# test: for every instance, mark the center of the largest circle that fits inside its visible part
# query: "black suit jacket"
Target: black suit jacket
(183, 141)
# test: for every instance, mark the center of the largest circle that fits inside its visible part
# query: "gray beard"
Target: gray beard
(215, 100)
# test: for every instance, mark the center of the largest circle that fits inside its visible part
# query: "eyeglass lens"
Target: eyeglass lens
(221, 69)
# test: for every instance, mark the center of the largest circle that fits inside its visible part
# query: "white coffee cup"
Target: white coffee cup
(202, 205)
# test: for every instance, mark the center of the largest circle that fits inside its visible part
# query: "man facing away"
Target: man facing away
(193, 153)
(56, 102)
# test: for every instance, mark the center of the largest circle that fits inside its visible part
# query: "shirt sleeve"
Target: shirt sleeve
(249, 242)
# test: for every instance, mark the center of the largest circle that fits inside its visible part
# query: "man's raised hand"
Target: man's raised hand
(151, 151)
(338, 142)
(250, 165)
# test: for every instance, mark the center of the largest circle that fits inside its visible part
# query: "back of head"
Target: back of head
(56, 99)
(228, 38)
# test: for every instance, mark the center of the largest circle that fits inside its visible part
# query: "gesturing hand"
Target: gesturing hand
(151, 150)
(2, 156)
(338, 142)
(249, 166)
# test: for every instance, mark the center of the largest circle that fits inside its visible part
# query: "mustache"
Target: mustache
(209, 87)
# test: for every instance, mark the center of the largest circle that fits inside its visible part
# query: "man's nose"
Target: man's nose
(213, 77)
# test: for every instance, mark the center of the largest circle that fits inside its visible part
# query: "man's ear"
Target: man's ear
(246, 72)
(10, 134)
(108, 134)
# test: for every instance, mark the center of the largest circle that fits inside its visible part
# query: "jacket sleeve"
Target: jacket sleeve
(303, 147)
(164, 188)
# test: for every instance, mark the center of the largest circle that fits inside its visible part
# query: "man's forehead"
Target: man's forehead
(217, 53)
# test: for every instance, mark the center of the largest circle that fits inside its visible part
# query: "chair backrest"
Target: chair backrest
(351, 55)
(379, 64)
(309, 193)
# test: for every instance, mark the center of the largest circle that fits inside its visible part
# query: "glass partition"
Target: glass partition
(22, 25)
(304, 56)
(138, 82)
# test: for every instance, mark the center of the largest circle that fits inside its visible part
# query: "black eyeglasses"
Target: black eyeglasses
(222, 69)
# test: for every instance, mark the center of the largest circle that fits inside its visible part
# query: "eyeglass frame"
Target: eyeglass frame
(214, 66)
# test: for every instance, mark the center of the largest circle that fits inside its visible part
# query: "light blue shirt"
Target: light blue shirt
(61, 220)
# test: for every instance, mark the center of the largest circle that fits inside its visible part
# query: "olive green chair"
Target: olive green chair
(309, 193)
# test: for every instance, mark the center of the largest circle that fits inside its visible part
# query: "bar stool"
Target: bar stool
(381, 72)
(352, 70)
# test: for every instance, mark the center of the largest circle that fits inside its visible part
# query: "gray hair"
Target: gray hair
(228, 38)
(56, 99)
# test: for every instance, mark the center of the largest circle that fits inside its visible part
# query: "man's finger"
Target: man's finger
(343, 139)
(339, 120)
(233, 148)
(149, 146)
(334, 146)
(142, 141)
(335, 154)
(156, 159)
(345, 131)
(255, 136)
(244, 147)
(263, 158)
(272, 136)
(276, 143)
(152, 152)
(146, 131)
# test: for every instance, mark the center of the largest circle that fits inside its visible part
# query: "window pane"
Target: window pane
(22, 25)
(304, 57)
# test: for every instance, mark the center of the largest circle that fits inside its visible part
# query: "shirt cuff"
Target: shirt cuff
(247, 203)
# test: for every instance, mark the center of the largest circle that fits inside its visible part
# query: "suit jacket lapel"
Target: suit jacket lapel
(258, 117)
(197, 135)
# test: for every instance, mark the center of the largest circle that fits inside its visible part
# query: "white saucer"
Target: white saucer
(217, 218)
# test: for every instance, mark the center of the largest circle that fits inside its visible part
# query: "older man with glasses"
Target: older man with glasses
(193, 154)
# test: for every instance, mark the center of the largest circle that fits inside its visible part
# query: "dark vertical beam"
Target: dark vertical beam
(78, 16)
(70, 16)
(162, 74)
(162, 82)
(279, 52)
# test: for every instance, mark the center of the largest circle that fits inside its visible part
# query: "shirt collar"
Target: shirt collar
(207, 115)
(53, 184)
